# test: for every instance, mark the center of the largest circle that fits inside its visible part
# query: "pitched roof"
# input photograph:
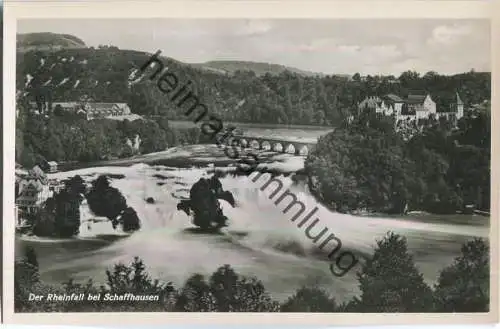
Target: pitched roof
(65, 104)
(415, 99)
(394, 98)
(459, 100)
(123, 106)
(52, 163)
(102, 106)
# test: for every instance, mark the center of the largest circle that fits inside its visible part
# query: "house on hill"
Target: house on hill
(419, 106)
(89, 110)
(105, 110)
(412, 108)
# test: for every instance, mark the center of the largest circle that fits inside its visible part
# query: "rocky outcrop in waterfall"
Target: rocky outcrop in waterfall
(204, 205)
(107, 201)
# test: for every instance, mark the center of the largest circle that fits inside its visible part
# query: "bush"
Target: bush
(67, 214)
(390, 281)
(225, 292)
(196, 296)
(130, 221)
(104, 200)
(234, 293)
(464, 286)
(107, 201)
(309, 300)
(44, 223)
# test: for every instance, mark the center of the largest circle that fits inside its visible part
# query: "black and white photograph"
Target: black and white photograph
(252, 165)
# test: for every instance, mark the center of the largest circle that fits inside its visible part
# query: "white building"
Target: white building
(33, 190)
(90, 110)
(412, 108)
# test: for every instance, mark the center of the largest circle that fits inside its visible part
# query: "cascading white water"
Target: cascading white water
(261, 240)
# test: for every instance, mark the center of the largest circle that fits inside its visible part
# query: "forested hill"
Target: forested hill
(231, 67)
(289, 98)
(47, 41)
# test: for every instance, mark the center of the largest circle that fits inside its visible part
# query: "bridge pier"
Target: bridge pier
(297, 149)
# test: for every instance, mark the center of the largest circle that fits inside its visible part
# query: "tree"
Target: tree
(104, 200)
(129, 220)
(226, 291)
(409, 78)
(133, 278)
(464, 285)
(390, 281)
(26, 276)
(58, 110)
(67, 214)
(75, 185)
(28, 159)
(360, 165)
(30, 257)
(45, 223)
(196, 296)
(309, 300)
(234, 293)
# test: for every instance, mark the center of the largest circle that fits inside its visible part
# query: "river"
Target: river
(260, 241)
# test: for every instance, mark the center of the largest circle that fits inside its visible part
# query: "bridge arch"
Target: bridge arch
(289, 148)
(254, 144)
(278, 147)
(303, 150)
(265, 145)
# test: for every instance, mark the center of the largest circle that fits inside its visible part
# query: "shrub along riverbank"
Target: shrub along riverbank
(389, 282)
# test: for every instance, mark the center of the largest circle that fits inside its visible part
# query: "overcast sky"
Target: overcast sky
(328, 46)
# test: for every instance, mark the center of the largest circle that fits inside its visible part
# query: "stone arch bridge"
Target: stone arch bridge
(275, 144)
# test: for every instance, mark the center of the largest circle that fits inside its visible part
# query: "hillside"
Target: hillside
(103, 74)
(230, 67)
(47, 41)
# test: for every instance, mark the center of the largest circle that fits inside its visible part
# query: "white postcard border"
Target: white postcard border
(236, 9)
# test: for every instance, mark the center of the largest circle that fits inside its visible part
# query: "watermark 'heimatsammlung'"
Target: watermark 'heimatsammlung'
(344, 261)
(168, 83)
(212, 126)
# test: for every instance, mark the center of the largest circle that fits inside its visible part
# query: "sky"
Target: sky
(333, 46)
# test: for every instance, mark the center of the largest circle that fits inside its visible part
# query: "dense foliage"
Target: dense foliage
(107, 201)
(59, 138)
(60, 216)
(465, 285)
(389, 282)
(243, 96)
(367, 165)
(203, 203)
